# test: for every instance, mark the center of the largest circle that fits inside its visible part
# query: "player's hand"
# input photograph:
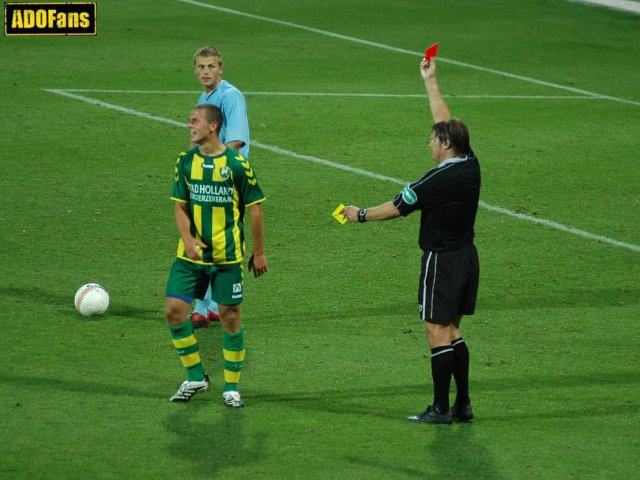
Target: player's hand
(258, 263)
(191, 248)
(351, 213)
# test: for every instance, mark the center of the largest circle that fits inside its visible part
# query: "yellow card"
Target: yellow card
(338, 216)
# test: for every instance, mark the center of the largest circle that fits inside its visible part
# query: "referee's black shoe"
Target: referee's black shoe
(432, 415)
(462, 413)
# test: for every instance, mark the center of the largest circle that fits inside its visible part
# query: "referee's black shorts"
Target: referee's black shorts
(448, 284)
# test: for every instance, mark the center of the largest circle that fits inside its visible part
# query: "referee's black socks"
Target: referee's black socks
(442, 364)
(461, 370)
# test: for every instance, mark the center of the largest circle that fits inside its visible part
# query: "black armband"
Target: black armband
(362, 215)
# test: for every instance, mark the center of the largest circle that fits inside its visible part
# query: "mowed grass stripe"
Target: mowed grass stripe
(359, 171)
(410, 52)
(336, 94)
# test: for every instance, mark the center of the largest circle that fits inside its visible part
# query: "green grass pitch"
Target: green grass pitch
(336, 356)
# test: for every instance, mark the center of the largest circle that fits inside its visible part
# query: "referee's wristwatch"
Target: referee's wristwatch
(362, 215)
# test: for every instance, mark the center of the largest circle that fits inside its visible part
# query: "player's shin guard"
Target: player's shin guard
(233, 350)
(186, 345)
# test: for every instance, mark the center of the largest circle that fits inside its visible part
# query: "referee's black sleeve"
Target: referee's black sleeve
(403, 206)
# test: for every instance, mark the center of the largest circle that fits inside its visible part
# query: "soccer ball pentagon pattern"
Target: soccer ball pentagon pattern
(91, 299)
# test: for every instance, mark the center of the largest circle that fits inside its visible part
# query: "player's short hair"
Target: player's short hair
(454, 132)
(207, 52)
(211, 114)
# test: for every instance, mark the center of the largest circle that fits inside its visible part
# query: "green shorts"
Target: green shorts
(188, 281)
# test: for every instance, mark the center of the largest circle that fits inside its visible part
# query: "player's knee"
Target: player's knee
(229, 312)
(230, 317)
(173, 314)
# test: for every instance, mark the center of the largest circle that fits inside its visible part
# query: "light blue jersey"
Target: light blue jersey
(235, 127)
(235, 124)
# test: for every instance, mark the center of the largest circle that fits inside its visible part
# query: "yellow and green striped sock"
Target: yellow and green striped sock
(233, 351)
(186, 345)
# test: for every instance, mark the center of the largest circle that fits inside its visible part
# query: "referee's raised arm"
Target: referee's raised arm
(439, 109)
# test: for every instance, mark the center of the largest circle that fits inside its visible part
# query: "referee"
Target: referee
(448, 198)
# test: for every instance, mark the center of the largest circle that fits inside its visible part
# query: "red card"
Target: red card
(431, 52)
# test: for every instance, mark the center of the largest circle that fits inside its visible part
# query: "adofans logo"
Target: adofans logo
(50, 18)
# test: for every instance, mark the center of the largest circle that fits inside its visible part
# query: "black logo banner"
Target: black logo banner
(69, 18)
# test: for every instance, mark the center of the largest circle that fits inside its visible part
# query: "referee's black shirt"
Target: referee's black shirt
(448, 197)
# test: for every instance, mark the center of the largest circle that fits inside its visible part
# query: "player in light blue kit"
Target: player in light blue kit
(234, 133)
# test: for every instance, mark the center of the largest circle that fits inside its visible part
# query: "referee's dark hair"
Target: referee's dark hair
(454, 132)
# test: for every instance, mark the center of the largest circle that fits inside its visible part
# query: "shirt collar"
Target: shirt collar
(207, 95)
(453, 160)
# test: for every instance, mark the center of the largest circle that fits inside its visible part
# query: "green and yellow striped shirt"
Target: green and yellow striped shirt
(217, 190)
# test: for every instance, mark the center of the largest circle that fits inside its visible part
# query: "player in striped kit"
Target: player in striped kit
(213, 186)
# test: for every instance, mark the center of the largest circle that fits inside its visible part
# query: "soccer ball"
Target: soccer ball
(91, 299)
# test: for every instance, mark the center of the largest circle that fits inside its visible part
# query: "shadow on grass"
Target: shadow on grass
(374, 402)
(212, 446)
(26, 295)
(128, 311)
(80, 386)
(451, 451)
(363, 400)
(489, 302)
(535, 296)
(65, 302)
(379, 310)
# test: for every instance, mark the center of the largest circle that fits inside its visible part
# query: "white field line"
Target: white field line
(358, 171)
(632, 6)
(328, 94)
(409, 52)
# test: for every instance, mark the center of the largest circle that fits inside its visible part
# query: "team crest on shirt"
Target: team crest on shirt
(409, 196)
(225, 173)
